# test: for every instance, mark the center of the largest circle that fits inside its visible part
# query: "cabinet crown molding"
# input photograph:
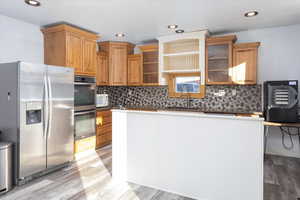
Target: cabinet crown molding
(148, 47)
(190, 35)
(226, 38)
(247, 45)
(116, 43)
(71, 29)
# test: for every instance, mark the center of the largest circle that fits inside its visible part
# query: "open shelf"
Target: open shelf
(182, 62)
(183, 53)
(180, 46)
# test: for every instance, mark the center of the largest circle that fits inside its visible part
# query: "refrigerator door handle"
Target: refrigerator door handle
(46, 108)
(50, 99)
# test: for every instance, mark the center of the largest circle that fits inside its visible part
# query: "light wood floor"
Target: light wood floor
(89, 178)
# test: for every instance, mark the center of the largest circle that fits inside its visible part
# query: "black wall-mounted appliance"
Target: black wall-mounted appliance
(281, 101)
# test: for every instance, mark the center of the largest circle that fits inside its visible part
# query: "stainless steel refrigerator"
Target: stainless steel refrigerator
(37, 115)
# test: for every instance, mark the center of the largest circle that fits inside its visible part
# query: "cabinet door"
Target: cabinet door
(89, 57)
(104, 128)
(219, 63)
(118, 65)
(74, 52)
(150, 67)
(103, 118)
(134, 70)
(102, 69)
(244, 64)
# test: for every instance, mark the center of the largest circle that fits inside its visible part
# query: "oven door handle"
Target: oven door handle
(84, 113)
(79, 83)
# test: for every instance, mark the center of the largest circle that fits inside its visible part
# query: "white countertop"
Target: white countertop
(190, 114)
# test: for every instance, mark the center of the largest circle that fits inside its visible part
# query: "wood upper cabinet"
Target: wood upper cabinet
(117, 60)
(89, 55)
(149, 64)
(102, 69)
(219, 60)
(118, 64)
(74, 52)
(244, 69)
(134, 69)
(66, 45)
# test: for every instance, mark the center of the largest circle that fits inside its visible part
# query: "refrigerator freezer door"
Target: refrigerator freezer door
(60, 136)
(32, 151)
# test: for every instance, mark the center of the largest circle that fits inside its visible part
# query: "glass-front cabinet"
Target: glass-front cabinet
(149, 64)
(219, 60)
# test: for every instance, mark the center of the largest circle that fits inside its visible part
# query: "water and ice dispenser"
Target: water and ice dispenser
(33, 113)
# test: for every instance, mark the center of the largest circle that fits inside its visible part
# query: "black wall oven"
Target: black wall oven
(85, 91)
(85, 107)
(85, 124)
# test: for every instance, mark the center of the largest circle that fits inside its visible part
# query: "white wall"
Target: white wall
(279, 53)
(279, 59)
(20, 41)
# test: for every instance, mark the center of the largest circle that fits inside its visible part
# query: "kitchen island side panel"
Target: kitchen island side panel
(201, 156)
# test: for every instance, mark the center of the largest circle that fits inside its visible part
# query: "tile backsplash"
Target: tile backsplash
(243, 99)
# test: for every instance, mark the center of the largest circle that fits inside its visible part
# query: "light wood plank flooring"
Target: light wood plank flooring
(89, 178)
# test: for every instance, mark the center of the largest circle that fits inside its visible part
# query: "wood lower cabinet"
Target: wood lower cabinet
(134, 69)
(117, 60)
(104, 128)
(69, 46)
(244, 69)
(102, 69)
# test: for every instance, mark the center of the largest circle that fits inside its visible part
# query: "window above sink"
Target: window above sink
(185, 85)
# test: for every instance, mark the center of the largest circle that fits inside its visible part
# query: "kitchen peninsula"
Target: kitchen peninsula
(198, 155)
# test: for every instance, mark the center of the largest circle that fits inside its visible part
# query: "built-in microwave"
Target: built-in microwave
(85, 91)
(102, 100)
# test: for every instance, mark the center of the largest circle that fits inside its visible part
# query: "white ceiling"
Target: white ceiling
(143, 20)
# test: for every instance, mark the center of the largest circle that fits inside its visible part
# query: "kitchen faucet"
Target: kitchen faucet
(188, 100)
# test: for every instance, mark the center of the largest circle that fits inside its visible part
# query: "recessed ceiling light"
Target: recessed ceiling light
(120, 35)
(173, 26)
(33, 3)
(179, 31)
(251, 13)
